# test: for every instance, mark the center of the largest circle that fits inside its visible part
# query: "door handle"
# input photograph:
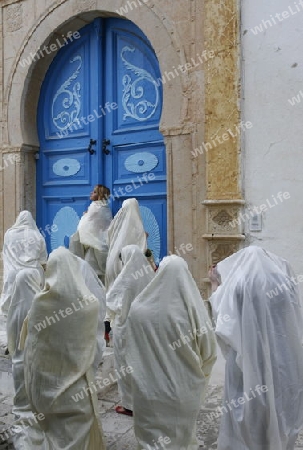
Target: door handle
(89, 148)
(105, 143)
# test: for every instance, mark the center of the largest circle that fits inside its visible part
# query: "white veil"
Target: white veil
(125, 229)
(262, 343)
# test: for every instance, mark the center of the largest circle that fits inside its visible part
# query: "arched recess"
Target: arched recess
(25, 82)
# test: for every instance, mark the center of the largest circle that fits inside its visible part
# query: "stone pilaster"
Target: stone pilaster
(222, 137)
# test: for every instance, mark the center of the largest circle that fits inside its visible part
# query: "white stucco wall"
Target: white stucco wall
(273, 148)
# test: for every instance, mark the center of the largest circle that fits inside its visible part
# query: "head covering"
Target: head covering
(134, 277)
(59, 353)
(125, 229)
(94, 224)
(262, 343)
(23, 247)
(25, 220)
(171, 350)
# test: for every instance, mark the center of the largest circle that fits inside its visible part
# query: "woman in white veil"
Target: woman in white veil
(262, 345)
(90, 242)
(23, 248)
(136, 273)
(24, 252)
(172, 352)
(125, 229)
(60, 348)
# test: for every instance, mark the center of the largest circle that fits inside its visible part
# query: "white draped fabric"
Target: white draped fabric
(136, 273)
(23, 247)
(125, 229)
(27, 284)
(94, 224)
(23, 253)
(97, 289)
(90, 241)
(172, 352)
(59, 352)
(262, 344)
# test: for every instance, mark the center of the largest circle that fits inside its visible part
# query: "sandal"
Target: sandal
(121, 410)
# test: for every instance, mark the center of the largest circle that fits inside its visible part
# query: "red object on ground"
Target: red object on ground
(120, 410)
(107, 338)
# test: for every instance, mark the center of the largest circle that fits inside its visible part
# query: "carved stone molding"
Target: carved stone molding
(81, 5)
(222, 217)
(220, 251)
(224, 230)
(13, 17)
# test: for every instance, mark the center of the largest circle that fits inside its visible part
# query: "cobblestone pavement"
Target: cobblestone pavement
(118, 429)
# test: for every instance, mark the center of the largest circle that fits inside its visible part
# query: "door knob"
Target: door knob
(91, 143)
(105, 143)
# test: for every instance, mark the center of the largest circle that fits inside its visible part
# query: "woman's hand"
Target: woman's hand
(215, 277)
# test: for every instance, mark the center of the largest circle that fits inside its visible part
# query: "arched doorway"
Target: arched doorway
(98, 121)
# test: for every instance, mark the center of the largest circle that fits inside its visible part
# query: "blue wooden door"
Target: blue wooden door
(102, 87)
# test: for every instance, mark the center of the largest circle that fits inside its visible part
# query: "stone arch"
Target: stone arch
(25, 81)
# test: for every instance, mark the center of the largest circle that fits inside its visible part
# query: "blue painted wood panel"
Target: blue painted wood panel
(102, 86)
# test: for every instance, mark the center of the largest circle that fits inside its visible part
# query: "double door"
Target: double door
(98, 121)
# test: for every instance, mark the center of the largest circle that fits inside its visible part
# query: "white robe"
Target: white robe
(170, 372)
(125, 229)
(90, 241)
(93, 226)
(136, 273)
(262, 344)
(23, 247)
(24, 251)
(26, 429)
(97, 289)
(59, 353)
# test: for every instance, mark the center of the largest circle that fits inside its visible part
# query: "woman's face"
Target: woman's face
(94, 194)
